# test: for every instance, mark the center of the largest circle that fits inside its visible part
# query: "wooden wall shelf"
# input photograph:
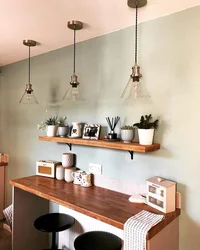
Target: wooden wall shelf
(119, 145)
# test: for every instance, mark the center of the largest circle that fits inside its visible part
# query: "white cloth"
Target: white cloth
(136, 228)
(8, 213)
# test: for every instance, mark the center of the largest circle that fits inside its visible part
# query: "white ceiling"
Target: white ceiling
(46, 22)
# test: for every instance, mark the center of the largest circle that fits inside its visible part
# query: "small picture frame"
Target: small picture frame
(91, 131)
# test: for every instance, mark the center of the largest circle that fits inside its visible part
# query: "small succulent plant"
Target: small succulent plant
(127, 127)
(145, 123)
(61, 121)
(52, 120)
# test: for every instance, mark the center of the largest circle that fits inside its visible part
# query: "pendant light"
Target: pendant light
(73, 92)
(28, 97)
(134, 87)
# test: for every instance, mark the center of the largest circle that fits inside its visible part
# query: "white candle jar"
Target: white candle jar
(60, 172)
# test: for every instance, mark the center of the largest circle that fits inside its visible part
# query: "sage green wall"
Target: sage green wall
(169, 55)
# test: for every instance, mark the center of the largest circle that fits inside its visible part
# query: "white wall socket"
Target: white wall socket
(95, 168)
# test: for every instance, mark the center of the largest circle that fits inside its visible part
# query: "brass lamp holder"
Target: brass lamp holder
(136, 75)
(29, 43)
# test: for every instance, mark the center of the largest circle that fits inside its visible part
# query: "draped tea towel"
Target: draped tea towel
(136, 228)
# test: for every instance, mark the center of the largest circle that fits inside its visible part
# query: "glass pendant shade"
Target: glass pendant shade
(28, 96)
(131, 90)
(74, 91)
(134, 90)
(134, 87)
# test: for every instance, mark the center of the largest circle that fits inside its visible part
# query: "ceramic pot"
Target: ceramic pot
(127, 135)
(146, 136)
(63, 131)
(51, 130)
(67, 160)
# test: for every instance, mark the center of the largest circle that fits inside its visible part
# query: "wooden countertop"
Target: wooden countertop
(3, 164)
(102, 204)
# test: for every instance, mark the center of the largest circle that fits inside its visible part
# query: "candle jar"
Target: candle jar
(112, 135)
(60, 173)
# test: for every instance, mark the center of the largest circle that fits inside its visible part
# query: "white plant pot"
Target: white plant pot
(51, 130)
(146, 136)
(127, 135)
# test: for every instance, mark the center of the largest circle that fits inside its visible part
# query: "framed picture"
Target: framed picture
(91, 131)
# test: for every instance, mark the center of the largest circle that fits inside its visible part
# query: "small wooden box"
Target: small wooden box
(47, 168)
(161, 194)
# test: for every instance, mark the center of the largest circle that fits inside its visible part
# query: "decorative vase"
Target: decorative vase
(146, 136)
(51, 130)
(63, 131)
(76, 129)
(127, 135)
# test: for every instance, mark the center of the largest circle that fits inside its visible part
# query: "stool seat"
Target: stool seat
(53, 222)
(97, 240)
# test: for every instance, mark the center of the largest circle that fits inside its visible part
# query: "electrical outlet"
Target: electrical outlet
(95, 168)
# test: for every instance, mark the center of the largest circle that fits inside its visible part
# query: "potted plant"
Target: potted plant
(62, 127)
(127, 133)
(50, 125)
(146, 129)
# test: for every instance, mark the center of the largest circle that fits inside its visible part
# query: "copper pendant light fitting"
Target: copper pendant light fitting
(75, 25)
(30, 43)
(140, 3)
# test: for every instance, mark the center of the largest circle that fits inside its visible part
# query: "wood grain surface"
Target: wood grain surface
(136, 147)
(3, 164)
(102, 204)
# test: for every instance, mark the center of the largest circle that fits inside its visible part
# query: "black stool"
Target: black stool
(52, 223)
(97, 240)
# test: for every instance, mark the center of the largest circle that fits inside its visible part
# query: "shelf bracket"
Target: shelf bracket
(131, 153)
(69, 145)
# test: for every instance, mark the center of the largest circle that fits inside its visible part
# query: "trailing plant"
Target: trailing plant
(127, 127)
(52, 120)
(145, 122)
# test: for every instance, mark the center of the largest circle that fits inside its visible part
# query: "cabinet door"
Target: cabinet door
(166, 239)
(2, 191)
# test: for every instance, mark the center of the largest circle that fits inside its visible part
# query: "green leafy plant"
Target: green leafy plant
(145, 122)
(127, 127)
(52, 120)
(61, 121)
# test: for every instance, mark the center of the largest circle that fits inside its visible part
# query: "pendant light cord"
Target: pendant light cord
(29, 65)
(136, 24)
(74, 50)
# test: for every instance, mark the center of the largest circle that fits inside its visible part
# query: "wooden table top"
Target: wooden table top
(102, 204)
(3, 164)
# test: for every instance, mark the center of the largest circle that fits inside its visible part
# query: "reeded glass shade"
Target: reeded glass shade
(74, 93)
(28, 98)
(134, 89)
